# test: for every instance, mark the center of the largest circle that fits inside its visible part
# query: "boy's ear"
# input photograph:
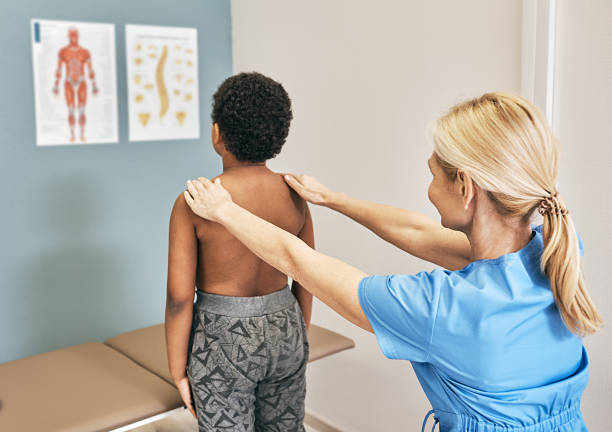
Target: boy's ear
(215, 134)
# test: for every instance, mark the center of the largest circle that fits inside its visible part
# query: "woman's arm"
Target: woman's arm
(410, 231)
(302, 295)
(182, 262)
(327, 278)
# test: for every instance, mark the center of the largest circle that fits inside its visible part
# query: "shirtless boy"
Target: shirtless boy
(238, 355)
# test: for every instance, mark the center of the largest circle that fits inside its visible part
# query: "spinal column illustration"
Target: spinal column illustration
(161, 86)
(75, 58)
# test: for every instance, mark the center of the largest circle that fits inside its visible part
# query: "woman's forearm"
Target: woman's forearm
(385, 221)
(178, 327)
(327, 278)
(410, 231)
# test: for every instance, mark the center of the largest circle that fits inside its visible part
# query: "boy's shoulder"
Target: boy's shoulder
(249, 187)
(270, 186)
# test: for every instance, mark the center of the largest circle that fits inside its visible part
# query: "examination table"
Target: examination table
(115, 386)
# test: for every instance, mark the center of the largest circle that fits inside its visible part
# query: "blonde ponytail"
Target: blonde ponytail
(506, 146)
(561, 262)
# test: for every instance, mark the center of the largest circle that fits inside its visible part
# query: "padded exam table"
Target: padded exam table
(114, 386)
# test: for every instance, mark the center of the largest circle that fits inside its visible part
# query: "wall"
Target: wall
(581, 119)
(84, 228)
(366, 79)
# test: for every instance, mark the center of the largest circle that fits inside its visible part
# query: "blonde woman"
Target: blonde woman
(495, 338)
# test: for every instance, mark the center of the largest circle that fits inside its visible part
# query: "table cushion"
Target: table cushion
(86, 387)
(147, 346)
(324, 342)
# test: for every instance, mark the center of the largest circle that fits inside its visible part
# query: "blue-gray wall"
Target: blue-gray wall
(85, 228)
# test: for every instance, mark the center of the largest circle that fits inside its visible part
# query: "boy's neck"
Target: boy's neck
(230, 163)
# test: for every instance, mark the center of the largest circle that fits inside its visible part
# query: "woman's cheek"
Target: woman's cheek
(429, 193)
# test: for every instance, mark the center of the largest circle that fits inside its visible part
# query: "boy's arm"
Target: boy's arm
(182, 262)
(302, 295)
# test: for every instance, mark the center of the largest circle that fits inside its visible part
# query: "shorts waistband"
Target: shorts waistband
(242, 307)
(455, 421)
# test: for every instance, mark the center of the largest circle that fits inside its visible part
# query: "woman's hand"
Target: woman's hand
(309, 188)
(205, 197)
(184, 389)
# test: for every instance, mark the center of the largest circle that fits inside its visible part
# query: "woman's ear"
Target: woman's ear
(466, 187)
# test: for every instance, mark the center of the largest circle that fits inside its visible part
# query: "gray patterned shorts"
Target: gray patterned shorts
(247, 362)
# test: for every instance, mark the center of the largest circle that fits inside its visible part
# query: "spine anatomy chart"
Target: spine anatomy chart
(162, 73)
(161, 86)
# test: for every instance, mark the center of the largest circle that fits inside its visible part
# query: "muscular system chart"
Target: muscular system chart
(74, 82)
(162, 75)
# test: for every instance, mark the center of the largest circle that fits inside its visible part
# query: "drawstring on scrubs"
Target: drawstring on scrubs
(436, 420)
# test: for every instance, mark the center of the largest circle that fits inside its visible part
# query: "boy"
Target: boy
(241, 350)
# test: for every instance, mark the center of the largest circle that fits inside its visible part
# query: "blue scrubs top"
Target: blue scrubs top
(486, 342)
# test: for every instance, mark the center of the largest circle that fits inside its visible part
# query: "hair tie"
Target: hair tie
(551, 204)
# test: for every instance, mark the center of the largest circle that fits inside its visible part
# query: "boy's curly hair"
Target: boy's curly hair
(253, 113)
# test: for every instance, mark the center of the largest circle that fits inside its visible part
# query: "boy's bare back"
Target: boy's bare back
(251, 114)
(224, 265)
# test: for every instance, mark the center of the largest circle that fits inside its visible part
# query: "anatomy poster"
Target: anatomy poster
(75, 83)
(162, 74)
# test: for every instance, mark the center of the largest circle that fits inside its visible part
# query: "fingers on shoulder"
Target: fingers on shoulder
(216, 180)
(291, 178)
(205, 181)
(182, 205)
(296, 196)
(180, 200)
(180, 210)
(295, 182)
(187, 198)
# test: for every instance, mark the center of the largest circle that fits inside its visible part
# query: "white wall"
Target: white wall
(366, 78)
(582, 108)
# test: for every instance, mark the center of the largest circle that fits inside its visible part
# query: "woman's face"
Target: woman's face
(447, 197)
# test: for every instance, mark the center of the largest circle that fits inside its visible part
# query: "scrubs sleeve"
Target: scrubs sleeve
(402, 311)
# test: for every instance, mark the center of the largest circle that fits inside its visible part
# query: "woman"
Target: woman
(495, 340)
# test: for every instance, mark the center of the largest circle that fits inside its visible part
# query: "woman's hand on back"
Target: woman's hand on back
(309, 188)
(205, 198)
